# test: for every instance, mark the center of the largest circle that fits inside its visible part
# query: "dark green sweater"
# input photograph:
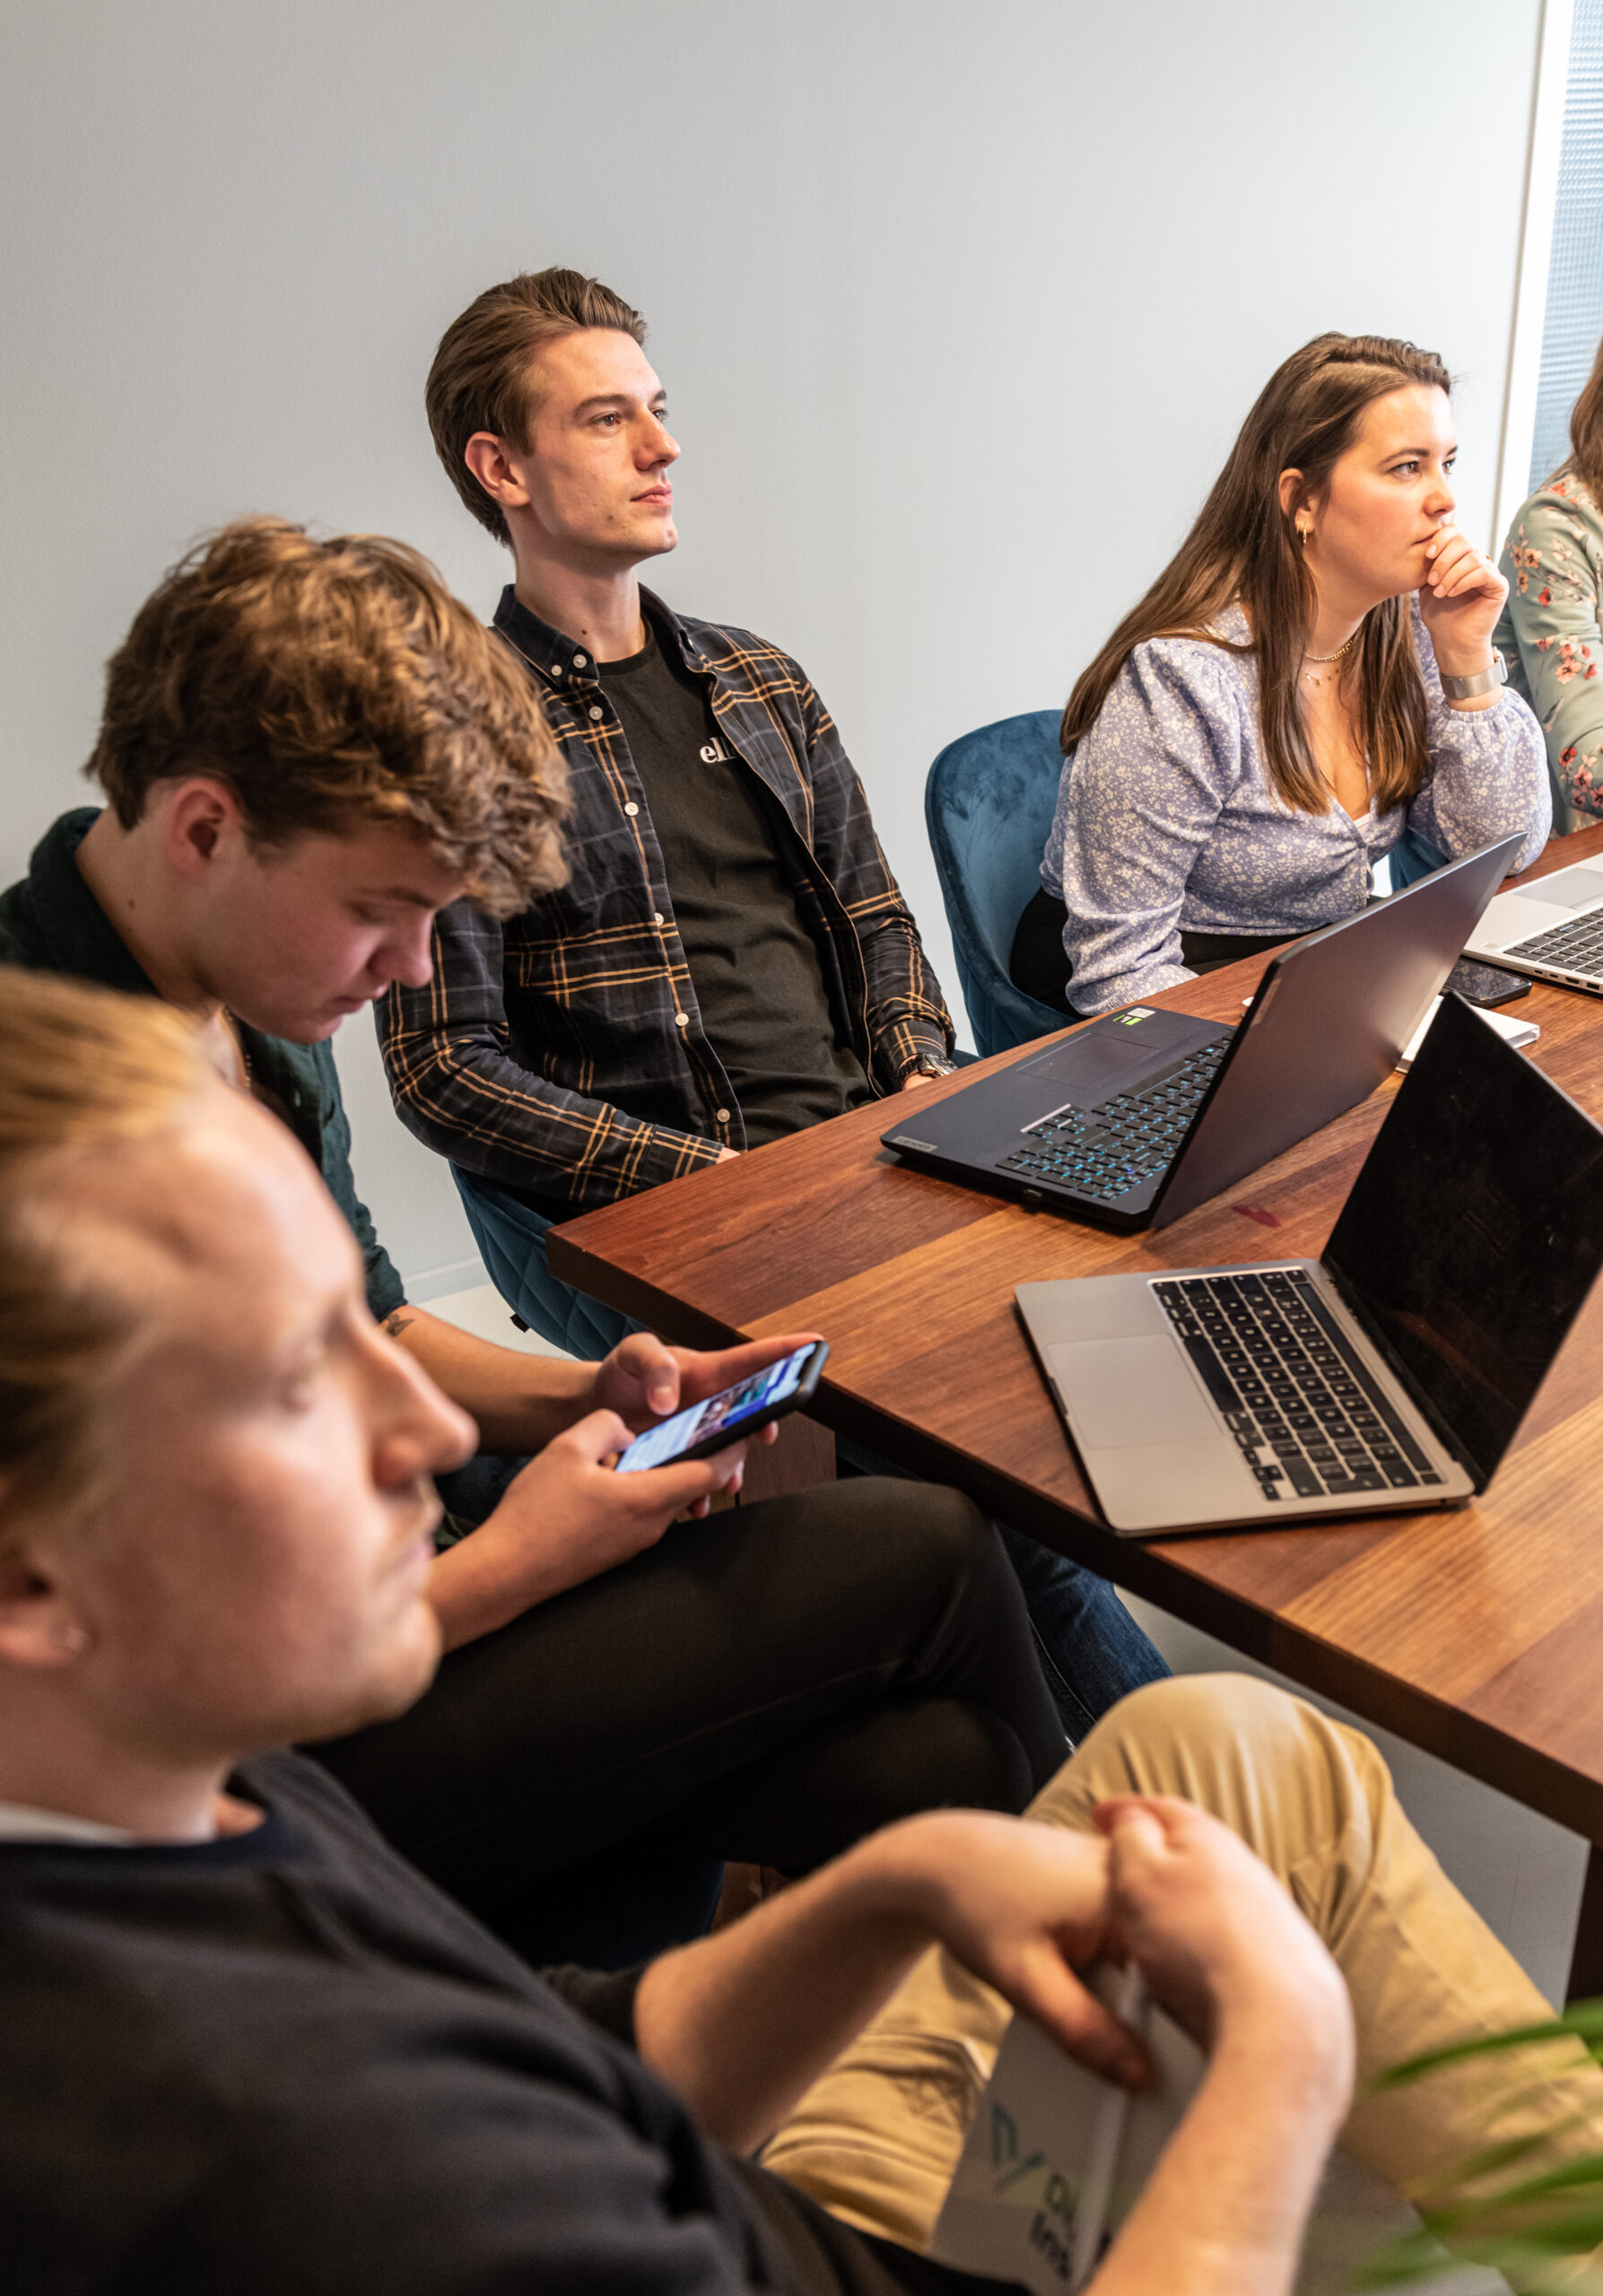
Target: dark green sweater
(51, 922)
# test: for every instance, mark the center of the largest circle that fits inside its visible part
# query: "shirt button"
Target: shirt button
(722, 1116)
(657, 916)
(596, 710)
(681, 1020)
(631, 807)
(578, 661)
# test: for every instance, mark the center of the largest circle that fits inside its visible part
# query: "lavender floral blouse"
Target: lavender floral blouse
(1552, 561)
(1166, 819)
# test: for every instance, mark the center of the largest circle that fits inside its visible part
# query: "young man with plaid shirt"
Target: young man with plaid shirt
(730, 958)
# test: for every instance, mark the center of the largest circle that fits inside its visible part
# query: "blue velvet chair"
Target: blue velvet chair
(988, 804)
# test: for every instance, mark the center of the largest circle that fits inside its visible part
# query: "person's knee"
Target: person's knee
(1186, 1710)
(1282, 1775)
(923, 1534)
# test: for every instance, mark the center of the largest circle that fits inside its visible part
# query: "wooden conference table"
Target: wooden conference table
(1476, 1633)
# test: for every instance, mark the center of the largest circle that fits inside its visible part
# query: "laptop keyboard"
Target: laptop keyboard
(1307, 1413)
(1574, 947)
(1107, 1150)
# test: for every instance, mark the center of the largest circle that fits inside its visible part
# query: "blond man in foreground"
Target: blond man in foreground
(243, 2044)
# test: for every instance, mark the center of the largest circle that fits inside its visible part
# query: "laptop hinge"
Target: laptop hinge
(1398, 1370)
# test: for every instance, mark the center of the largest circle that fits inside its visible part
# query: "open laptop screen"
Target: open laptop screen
(1474, 1230)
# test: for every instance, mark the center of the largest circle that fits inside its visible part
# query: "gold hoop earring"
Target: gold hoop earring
(1303, 534)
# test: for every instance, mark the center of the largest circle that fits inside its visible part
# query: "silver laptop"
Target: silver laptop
(1552, 929)
(1390, 1373)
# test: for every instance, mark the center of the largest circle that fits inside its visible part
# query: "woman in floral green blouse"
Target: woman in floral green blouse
(1550, 631)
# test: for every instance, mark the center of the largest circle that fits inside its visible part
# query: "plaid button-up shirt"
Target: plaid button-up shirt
(561, 1053)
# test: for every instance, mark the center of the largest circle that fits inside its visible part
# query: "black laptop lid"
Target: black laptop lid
(1474, 1230)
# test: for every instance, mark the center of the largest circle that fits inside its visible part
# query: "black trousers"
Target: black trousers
(1038, 965)
(767, 1685)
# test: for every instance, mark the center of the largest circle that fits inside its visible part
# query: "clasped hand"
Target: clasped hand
(1212, 1930)
(1460, 601)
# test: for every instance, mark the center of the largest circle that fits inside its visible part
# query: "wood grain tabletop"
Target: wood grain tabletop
(1474, 1632)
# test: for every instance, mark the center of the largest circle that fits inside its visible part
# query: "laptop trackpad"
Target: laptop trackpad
(1124, 1391)
(1570, 889)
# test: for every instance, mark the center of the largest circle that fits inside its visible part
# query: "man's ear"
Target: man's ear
(200, 820)
(491, 463)
(39, 1626)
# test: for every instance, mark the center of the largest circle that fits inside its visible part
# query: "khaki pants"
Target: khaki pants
(877, 2139)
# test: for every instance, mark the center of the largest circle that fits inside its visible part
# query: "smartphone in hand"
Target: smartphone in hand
(729, 1417)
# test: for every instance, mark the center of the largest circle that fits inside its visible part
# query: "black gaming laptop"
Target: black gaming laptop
(1136, 1118)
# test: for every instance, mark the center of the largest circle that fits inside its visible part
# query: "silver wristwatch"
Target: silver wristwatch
(1483, 681)
(932, 1064)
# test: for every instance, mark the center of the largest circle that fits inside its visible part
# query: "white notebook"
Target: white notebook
(1055, 2157)
(1516, 1031)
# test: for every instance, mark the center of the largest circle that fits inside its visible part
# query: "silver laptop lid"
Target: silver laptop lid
(1330, 1019)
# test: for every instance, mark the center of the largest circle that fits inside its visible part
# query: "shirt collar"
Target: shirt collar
(81, 941)
(567, 664)
(79, 937)
(19, 1822)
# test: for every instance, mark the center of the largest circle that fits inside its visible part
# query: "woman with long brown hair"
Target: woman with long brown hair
(1552, 626)
(1311, 676)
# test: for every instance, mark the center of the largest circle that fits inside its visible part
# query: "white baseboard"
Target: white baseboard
(434, 1282)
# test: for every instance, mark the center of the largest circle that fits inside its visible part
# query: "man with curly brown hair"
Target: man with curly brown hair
(310, 746)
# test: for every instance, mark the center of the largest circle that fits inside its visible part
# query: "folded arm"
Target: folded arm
(458, 1087)
(743, 2023)
(1221, 1943)
(1488, 774)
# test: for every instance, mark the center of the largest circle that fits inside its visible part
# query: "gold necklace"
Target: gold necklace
(1325, 659)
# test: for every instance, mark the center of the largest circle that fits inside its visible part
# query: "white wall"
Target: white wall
(958, 305)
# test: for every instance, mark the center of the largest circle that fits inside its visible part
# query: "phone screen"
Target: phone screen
(718, 1415)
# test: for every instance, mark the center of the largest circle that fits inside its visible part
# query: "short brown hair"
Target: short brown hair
(80, 1069)
(328, 683)
(480, 379)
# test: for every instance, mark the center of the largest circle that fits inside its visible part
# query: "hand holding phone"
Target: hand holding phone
(566, 1518)
(731, 1415)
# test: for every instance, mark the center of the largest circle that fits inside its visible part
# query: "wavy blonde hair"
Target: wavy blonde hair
(82, 1070)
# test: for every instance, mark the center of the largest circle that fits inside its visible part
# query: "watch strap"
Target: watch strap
(1483, 681)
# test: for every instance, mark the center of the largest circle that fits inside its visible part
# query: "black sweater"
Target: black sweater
(286, 2062)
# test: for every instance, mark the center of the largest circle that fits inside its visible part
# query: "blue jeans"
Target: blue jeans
(1092, 1652)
